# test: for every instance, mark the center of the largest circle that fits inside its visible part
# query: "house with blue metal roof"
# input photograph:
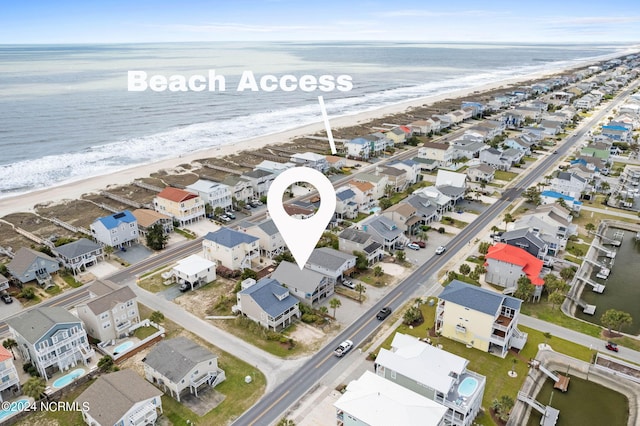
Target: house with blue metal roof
(117, 230)
(481, 318)
(267, 302)
(230, 248)
(551, 197)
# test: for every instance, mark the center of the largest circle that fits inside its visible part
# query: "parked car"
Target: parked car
(230, 215)
(612, 346)
(248, 206)
(441, 250)
(413, 246)
(186, 286)
(384, 312)
(7, 299)
(420, 244)
(349, 284)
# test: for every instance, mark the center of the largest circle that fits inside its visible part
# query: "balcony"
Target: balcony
(123, 325)
(461, 328)
(145, 415)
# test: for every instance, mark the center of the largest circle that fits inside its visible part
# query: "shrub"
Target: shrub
(441, 230)
(309, 318)
(27, 293)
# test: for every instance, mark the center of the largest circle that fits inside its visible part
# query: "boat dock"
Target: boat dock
(549, 414)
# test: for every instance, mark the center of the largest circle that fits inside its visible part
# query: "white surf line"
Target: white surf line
(327, 126)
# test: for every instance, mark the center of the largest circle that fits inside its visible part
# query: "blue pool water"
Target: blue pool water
(122, 347)
(65, 380)
(468, 386)
(17, 405)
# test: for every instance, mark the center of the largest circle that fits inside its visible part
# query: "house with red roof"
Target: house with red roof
(505, 264)
(9, 380)
(183, 206)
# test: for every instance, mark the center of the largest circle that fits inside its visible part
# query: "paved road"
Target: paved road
(271, 406)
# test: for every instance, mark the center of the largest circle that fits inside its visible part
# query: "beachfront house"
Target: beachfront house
(230, 248)
(241, 189)
(422, 127)
(274, 167)
(147, 218)
(216, 194)
(358, 149)
(435, 374)
(353, 240)
(183, 206)
(9, 380)
(331, 263)
(481, 318)
(194, 271)
(51, 339)
(312, 160)
(375, 401)
(28, 265)
(308, 286)
(335, 162)
(505, 265)
(80, 254)
(120, 398)
(117, 230)
(267, 302)
(260, 181)
(180, 366)
(271, 242)
(109, 312)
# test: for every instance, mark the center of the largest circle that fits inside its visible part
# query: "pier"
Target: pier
(549, 414)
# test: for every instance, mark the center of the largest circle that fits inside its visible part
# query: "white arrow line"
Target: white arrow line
(327, 126)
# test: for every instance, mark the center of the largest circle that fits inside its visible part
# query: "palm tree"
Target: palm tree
(423, 235)
(507, 218)
(589, 227)
(494, 228)
(107, 250)
(10, 344)
(360, 288)
(34, 387)
(323, 310)
(335, 304)
(157, 317)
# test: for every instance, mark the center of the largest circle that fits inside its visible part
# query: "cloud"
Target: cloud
(594, 20)
(421, 13)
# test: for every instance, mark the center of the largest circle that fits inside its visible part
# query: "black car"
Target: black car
(384, 312)
(7, 299)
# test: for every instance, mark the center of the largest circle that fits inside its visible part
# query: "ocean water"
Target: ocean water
(66, 114)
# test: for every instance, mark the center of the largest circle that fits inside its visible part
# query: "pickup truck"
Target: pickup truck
(343, 348)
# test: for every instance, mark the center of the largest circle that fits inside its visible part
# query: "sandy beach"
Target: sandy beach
(74, 190)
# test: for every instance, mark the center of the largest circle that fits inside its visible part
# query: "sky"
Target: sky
(118, 21)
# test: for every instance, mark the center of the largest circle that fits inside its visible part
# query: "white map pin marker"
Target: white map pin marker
(301, 235)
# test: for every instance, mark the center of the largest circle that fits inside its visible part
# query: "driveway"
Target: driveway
(134, 254)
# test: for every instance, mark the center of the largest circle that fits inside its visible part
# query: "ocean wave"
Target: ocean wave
(56, 169)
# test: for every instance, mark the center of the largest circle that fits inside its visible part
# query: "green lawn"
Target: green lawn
(368, 277)
(153, 283)
(70, 280)
(52, 291)
(577, 249)
(495, 369)
(144, 332)
(185, 233)
(505, 176)
(546, 312)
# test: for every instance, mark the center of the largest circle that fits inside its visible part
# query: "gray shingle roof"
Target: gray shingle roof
(77, 248)
(24, 258)
(476, 298)
(32, 325)
(355, 235)
(264, 293)
(382, 226)
(107, 301)
(290, 275)
(523, 233)
(268, 227)
(329, 258)
(228, 237)
(258, 173)
(175, 358)
(451, 191)
(112, 395)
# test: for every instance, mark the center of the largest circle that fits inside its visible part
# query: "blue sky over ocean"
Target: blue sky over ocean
(249, 20)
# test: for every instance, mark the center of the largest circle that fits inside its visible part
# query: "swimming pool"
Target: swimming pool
(123, 347)
(16, 406)
(66, 379)
(468, 386)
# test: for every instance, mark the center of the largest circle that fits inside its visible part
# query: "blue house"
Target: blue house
(617, 133)
(267, 302)
(116, 230)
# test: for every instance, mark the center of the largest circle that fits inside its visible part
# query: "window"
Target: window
(132, 313)
(104, 316)
(106, 324)
(393, 374)
(130, 303)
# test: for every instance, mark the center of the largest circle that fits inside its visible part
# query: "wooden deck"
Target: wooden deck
(563, 383)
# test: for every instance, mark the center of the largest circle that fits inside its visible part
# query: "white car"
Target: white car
(441, 250)
(413, 246)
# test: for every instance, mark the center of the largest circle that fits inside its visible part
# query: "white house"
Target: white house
(194, 270)
(230, 248)
(271, 242)
(9, 380)
(311, 159)
(213, 193)
(117, 230)
(441, 153)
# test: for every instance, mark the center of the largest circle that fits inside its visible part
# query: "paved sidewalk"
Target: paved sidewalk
(610, 212)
